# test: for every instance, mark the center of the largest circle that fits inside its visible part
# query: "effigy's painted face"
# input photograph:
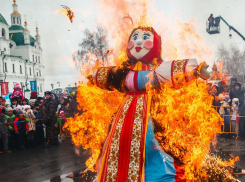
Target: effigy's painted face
(140, 43)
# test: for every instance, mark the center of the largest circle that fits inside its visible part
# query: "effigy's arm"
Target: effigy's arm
(110, 78)
(180, 72)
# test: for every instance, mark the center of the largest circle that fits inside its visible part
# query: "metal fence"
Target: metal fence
(226, 127)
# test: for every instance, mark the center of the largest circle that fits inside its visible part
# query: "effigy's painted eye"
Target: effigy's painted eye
(135, 36)
(145, 36)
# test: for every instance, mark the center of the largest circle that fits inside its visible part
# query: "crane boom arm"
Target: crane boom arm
(231, 27)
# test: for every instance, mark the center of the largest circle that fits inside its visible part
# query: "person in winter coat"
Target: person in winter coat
(234, 113)
(72, 109)
(4, 132)
(233, 82)
(7, 103)
(220, 88)
(32, 127)
(61, 105)
(3, 107)
(39, 126)
(10, 117)
(21, 128)
(224, 110)
(237, 93)
(17, 92)
(61, 120)
(242, 122)
(50, 119)
(14, 105)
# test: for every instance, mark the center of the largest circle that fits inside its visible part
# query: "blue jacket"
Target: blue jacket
(39, 123)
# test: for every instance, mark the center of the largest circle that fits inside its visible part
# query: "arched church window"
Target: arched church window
(14, 20)
(3, 32)
(17, 20)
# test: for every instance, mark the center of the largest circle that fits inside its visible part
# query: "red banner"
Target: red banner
(4, 88)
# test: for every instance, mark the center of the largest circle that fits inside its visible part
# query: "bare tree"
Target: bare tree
(233, 59)
(93, 47)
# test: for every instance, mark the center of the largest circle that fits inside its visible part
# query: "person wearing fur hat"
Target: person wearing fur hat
(17, 92)
(32, 102)
(50, 119)
(21, 128)
(7, 103)
(10, 117)
(31, 125)
(4, 133)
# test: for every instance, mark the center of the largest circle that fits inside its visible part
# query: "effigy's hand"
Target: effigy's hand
(204, 74)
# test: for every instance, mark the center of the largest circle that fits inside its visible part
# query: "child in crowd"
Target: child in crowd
(61, 121)
(7, 103)
(21, 128)
(32, 127)
(25, 101)
(17, 92)
(224, 111)
(14, 104)
(10, 117)
(4, 133)
(234, 113)
(39, 127)
(32, 102)
(61, 105)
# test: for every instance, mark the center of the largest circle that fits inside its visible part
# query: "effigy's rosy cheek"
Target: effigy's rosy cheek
(130, 44)
(148, 44)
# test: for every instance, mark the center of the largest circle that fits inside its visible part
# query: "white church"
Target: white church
(20, 54)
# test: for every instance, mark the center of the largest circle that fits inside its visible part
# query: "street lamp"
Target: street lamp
(58, 83)
(52, 86)
(22, 85)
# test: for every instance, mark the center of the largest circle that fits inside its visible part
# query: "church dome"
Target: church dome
(2, 19)
(16, 28)
(18, 38)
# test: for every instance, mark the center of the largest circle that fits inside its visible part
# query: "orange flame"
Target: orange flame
(91, 128)
(190, 124)
(219, 73)
(67, 12)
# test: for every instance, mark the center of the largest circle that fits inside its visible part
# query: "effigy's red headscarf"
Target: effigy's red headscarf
(155, 52)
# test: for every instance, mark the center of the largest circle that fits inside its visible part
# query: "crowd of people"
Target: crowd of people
(230, 95)
(26, 123)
